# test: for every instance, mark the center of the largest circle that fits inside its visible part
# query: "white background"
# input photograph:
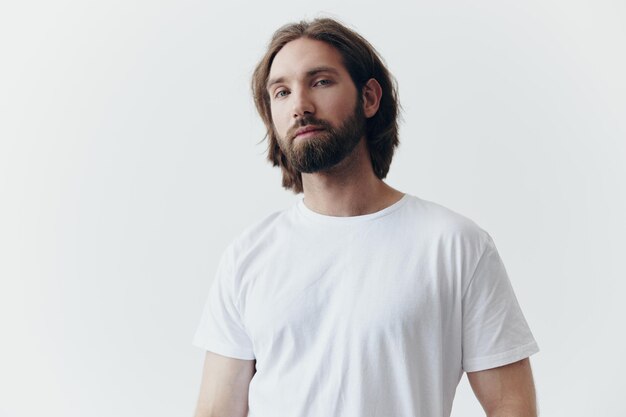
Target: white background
(131, 155)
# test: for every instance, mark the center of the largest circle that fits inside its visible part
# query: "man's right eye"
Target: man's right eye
(280, 93)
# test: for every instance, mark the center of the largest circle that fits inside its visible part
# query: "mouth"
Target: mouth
(307, 131)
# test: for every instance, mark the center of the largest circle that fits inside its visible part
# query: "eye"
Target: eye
(280, 93)
(322, 83)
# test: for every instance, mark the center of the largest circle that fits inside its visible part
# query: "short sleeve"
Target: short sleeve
(221, 329)
(495, 332)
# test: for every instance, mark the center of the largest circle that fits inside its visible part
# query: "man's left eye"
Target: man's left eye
(323, 82)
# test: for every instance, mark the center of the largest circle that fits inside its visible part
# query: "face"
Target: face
(316, 111)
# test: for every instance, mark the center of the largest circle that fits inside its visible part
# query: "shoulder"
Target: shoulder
(260, 234)
(456, 241)
(443, 224)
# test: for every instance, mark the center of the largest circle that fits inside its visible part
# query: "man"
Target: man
(359, 300)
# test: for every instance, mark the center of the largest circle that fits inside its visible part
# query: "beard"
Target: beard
(328, 147)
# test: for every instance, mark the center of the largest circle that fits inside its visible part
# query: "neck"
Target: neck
(350, 188)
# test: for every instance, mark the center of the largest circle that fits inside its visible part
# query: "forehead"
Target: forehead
(299, 56)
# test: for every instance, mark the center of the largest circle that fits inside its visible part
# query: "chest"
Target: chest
(363, 292)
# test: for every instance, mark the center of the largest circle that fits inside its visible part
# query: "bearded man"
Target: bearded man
(359, 300)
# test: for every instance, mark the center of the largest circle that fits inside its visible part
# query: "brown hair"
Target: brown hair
(362, 63)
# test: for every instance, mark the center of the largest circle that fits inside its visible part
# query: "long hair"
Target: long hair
(362, 63)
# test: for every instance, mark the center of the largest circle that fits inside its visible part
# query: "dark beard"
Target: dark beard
(326, 149)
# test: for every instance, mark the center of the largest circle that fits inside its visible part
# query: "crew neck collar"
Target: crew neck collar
(307, 212)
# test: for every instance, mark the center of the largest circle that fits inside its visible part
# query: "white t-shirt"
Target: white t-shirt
(372, 315)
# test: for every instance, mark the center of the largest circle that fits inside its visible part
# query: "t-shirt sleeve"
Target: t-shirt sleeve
(221, 329)
(495, 332)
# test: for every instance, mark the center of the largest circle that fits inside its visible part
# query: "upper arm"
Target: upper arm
(508, 387)
(224, 387)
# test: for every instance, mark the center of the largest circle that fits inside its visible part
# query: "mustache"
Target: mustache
(306, 121)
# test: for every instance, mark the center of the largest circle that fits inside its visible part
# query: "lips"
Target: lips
(307, 129)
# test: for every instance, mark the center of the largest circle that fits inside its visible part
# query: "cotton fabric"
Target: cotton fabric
(367, 316)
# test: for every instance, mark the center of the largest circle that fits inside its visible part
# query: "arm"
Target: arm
(224, 387)
(506, 391)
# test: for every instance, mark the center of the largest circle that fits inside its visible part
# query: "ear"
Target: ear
(372, 93)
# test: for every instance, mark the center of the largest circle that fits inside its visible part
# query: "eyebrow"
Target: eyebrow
(310, 73)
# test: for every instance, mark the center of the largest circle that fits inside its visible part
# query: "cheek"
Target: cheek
(339, 107)
(278, 120)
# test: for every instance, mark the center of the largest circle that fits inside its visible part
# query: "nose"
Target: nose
(302, 103)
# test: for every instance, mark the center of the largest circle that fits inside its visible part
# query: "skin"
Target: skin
(349, 188)
(506, 391)
(224, 387)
